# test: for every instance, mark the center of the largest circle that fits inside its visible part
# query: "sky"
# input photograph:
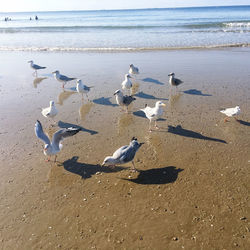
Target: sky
(55, 5)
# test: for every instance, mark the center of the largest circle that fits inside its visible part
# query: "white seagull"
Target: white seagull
(174, 81)
(124, 154)
(81, 88)
(62, 78)
(123, 100)
(154, 113)
(229, 112)
(54, 147)
(133, 70)
(51, 111)
(127, 84)
(35, 66)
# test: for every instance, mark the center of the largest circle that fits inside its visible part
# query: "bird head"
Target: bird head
(117, 92)
(108, 161)
(30, 61)
(160, 104)
(131, 65)
(55, 72)
(78, 81)
(128, 76)
(46, 147)
(171, 74)
(135, 143)
(51, 103)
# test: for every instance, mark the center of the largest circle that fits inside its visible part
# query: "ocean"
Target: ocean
(126, 30)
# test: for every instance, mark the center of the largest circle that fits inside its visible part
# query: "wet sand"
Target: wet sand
(192, 191)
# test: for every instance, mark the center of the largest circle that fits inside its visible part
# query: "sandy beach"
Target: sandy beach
(192, 190)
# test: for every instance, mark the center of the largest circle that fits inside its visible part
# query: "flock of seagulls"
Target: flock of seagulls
(125, 153)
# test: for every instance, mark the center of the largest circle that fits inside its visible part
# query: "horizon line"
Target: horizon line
(183, 7)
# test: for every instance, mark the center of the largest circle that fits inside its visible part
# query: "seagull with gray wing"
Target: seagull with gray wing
(123, 100)
(35, 66)
(53, 147)
(174, 81)
(62, 78)
(81, 88)
(124, 154)
(133, 70)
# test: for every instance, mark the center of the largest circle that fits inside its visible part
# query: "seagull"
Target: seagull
(229, 112)
(123, 100)
(54, 147)
(62, 78)
(124, 154)
(51, 111)
(35, 66)
(153, 113)
(81, 88)
(133, 70)
(127, 84)
(174, 81)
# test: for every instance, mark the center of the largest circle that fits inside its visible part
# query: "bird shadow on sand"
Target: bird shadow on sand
(195, 92)
(151, 80)
(244, 122)
(156, 176)
(143, 95)
(178, 130)
(104, 101)
(86, 170)
(62, 124)
(140, 113)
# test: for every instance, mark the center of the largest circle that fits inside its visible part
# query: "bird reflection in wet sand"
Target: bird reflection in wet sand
(173, 99)
(65, 94)
(124, 121)
(38, 80)
(85, 109)
(135, 88)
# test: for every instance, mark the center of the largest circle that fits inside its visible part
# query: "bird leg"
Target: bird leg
(55, 158)
(87, 97)
(134, 169)
(236, 119)
(156, 125)
(126, 109)
(150, 130)
(48, 160)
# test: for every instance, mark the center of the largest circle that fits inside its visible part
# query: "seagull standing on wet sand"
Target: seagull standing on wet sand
(231, 112)
(81, 88)
(174, 81)
(133, 70)
(123, 100)
(62, 78)
(35, 66)
(154, 113)
(54, 147)
(124, 154)
(127, 84)
(51, 111)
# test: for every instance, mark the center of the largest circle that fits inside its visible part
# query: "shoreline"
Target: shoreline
(118, 49)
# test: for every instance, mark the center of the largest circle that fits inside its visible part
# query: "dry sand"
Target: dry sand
(192, 191)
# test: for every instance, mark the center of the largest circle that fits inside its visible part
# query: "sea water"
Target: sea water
(124, 30)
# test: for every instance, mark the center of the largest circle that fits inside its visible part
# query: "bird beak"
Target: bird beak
(163, 104)
(130, 76)
(103, 164)
(169, 74)
(115, 93)
(53, 72)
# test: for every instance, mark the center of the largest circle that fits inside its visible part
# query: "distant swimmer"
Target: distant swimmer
(36, 17)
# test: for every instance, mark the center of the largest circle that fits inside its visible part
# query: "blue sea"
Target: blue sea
(126, 30)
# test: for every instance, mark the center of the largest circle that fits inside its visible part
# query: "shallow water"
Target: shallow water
(126, 29)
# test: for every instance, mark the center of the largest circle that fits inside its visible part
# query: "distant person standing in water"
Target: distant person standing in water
(36, 18)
